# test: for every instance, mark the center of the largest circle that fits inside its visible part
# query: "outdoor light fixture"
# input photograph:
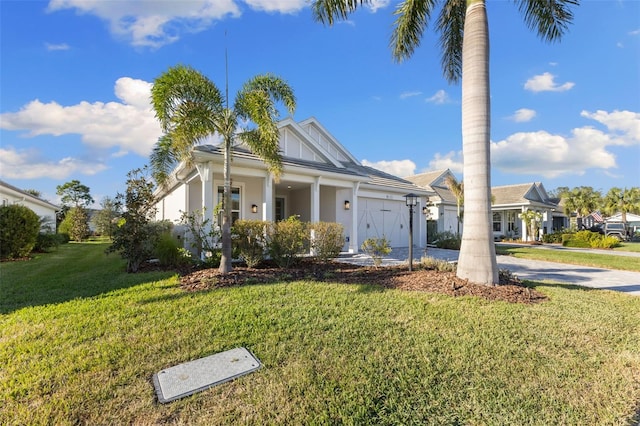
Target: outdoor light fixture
(347, 205)
(425, 210)
(411, 201)
(254, 208)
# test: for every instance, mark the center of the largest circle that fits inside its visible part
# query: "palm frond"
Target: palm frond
(450, 26)
(329, 11)
(182, 85)
(412, 19)
(549, 18)
(162, 160)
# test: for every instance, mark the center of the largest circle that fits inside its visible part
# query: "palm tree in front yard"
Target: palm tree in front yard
(191, 108)
(464, 38)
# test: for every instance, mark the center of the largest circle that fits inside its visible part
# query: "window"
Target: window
(511, 221)
(497, 222)
(235, 204)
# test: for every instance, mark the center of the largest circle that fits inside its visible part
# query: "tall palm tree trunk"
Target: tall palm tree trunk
(477, 261)
(225, 259)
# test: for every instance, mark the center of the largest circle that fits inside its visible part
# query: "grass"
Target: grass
(628, 246)
(80, 341)
(599, 260)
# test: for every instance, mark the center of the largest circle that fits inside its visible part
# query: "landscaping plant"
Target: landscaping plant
(286, 241)
(19, 227)
(249, 239)
(377, 248)
(327, 240)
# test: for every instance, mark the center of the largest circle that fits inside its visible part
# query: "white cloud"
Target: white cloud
(549, 155)
(635, 32)
(440, 97)
(28, 164)
(545, 83)
(52, 47)
(374, 5)
(405, 95)
(452, 160)
(129, 125)
(157, 23)
(523, 115)
(394, 167)
(280, 6)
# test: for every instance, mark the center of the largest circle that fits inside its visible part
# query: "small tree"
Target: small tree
(105, 219)
(532, 220)
(78, 220)
(19, 227)
(203, 238)
(377, 248)
(74, 194)
(134, 237)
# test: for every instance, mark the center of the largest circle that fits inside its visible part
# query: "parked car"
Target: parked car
(616, 229)
(598, 227)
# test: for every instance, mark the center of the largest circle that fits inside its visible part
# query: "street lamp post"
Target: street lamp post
(411, 201)
(425, 212)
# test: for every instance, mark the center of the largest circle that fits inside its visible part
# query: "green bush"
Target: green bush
(170, 253)
(447, 240)
(588, 239)
(328, 240)
(76, 224)
(438, 264)
(19, 227)
(249, 240)
(286, 241)
(46, 241)
(377, 248)
(554, 237)
(63, 237)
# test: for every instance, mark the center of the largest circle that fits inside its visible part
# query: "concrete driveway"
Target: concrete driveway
(535, 270)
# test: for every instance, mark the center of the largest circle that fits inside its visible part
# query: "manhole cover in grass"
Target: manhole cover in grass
(194, 376)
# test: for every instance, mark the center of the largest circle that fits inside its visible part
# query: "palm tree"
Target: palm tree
(457, 189)
(191, 108)
(581, 200)
(623, 201)
(464, 39)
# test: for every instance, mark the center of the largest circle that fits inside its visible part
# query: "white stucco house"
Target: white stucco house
(321, 181)
(9, 194)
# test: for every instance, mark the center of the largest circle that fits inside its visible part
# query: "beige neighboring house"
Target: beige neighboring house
(321, 181)
(9, 194)
(507, 204)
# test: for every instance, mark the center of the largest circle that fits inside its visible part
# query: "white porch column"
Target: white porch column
(523, 225)
(315, 200)
(205, 170)
(267, 198)
(354, 245)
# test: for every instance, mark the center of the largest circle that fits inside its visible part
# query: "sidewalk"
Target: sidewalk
(527, 269)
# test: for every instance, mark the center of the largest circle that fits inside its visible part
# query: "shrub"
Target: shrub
(202, 236)
(328, 240)
(447, 240)
(19, 227)
(588, 239)
(46, 241)
(377, 248)
(170, 253)
(285, 241)
(554, 237)
(438, 264)
(249, 239)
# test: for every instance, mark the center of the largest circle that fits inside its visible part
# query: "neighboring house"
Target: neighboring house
(321, 181)
(442, 207)
(9, 194)
(633, 221)
(511, 200)
(507, 203)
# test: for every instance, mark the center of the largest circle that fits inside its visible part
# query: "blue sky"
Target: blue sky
(75, 77)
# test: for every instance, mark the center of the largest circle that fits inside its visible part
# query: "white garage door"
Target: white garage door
(383, 218)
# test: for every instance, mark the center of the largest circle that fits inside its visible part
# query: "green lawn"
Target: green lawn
(80, 341)
(599, 260)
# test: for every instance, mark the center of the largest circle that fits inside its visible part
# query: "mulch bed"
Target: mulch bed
(511, 290)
